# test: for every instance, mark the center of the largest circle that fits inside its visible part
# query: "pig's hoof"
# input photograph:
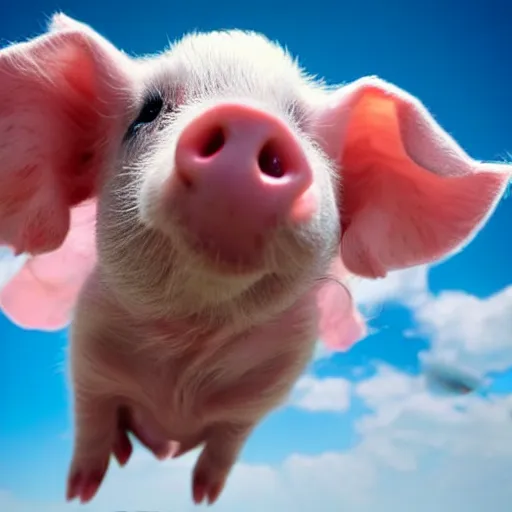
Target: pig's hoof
(208, 483)
(85, 479)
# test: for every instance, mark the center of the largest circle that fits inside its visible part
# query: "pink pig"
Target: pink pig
(234, 194)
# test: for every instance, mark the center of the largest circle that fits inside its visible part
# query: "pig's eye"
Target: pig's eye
(149, 112)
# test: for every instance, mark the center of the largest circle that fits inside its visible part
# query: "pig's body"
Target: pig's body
(227, 181)
(179, 380)
(195, 353)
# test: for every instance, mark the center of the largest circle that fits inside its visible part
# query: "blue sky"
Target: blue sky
(361, 425)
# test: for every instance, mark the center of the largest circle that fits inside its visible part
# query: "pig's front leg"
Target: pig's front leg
(96, 405)
(96, 434)
(222, 446)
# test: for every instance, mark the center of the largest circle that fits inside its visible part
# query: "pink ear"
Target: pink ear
(63, 103)
(62, 99)
(340, 323)
(409, 194)
(43, 293)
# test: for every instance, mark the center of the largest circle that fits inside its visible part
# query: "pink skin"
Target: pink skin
(253, 155)
(198, 283)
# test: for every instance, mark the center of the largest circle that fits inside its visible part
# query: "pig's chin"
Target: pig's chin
(226, 257)
(216, 281)
(212, 260)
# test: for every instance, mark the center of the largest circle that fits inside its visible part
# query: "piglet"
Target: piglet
(196, 216)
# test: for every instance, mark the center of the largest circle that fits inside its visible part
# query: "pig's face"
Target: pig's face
(221, 197)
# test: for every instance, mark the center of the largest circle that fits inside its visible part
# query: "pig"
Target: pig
(197, 216)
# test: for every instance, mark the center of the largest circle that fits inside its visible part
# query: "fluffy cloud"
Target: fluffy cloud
(329, 394)
(475, 332)
(462, 328)
(417, 452)
(403, 406)
(446, 453)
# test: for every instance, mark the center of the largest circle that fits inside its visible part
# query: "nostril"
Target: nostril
(212, 142)
(270, 161)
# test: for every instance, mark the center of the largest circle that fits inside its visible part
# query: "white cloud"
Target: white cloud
(328, 394)
(434, 453)
(387, 384)
(417, 452)
(462, 328)
(406, 412)
(471, 331)
(405, 286)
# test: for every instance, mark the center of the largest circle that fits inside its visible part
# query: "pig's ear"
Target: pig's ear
(340, 322)
(42, 294)
(63, 100)
(408, 193)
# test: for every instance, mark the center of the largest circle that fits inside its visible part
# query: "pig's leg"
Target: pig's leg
(95, 438)
(223, 444)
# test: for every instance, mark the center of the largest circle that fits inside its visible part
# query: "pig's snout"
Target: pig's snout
(239, 173)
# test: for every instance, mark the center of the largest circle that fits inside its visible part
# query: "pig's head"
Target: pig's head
(228, 179)
(220, 192)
